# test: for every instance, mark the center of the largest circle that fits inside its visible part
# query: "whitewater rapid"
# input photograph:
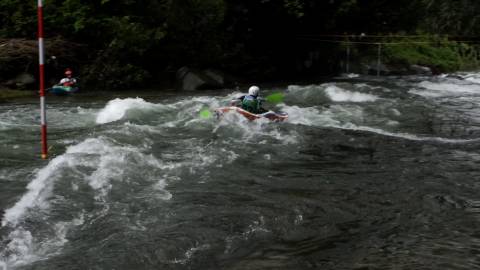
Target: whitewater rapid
(136, 151)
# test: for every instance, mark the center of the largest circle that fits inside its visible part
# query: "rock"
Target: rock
(190, 79)
(22, 81)
(421, 70)
(455, 76)
(371, 69)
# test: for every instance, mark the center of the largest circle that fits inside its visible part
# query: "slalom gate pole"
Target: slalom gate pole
(41, 59)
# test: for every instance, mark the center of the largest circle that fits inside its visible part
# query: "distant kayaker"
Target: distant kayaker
(251, 102)
(68, 80)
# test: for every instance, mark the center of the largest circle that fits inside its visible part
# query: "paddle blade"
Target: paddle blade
(275, 98)
(205, 114)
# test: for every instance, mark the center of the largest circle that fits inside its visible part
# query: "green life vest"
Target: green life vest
(251, 104)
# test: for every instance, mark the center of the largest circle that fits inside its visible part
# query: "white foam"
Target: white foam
(294, 88)
(190, 253)
(338, 94)
(475, 79)
(392, 123)
(231, 156)
(470, 77)
(40, 188)
(352, 75)
(161, 193)
(313, 117)
(257, 227)
(251, 130)
(395, 112)
(199, 158)
(433, 89)
(53, 245)
(23, 249)
(37, 191)
(143, 128)
(20, 248)
(309, 116)
(109, 163)
(117, 108)
(408, 136)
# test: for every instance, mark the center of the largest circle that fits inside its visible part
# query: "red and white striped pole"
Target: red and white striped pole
(41, 59)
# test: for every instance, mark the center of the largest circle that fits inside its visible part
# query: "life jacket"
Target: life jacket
(68, 81)
(251, 104)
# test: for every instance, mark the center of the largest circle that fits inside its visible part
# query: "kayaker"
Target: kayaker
(251, 102)
(68, 80)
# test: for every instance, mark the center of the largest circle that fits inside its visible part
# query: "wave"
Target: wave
(341, 95)
(37, 191)
(314, 117)
(98, 162)
(328, 93)
(466, 76)
(443, 89)
(117, 108)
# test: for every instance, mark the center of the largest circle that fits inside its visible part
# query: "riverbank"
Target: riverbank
(365, 55)
(9, 94)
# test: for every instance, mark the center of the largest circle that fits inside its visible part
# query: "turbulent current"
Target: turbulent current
(367, 173)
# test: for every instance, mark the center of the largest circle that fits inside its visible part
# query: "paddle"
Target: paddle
(205, 113)
(275, 97)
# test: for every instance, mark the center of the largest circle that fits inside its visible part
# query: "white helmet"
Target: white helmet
(253, 90)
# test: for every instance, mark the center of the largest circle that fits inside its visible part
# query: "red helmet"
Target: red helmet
(68, 71)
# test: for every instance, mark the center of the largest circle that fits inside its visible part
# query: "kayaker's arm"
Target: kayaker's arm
(235, 101)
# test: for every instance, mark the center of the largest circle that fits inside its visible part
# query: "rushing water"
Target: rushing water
(366, 173)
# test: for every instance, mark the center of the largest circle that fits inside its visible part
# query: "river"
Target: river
(367, 173)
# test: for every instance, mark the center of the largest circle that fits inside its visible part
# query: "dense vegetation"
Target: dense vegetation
(125, 42)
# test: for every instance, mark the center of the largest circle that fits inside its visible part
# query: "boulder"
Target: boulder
(191, 79)
(371, 69)
(21, 81)
(421, 70)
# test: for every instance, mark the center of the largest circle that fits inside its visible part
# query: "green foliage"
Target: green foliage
(436, 52)
(458, 18)
(295, 7)
(18, 18)
(194, 28)
(114, 75)
(128, 40)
